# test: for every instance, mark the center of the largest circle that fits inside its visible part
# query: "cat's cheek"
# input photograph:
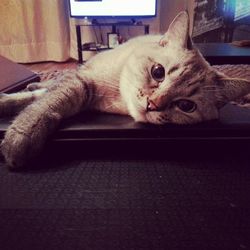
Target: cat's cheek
(156, 118)
(137, 116)
(141, 119)
(137, 109)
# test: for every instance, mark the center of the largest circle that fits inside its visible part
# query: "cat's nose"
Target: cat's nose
(151, 106)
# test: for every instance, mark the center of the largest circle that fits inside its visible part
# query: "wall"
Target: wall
(213, 20)
(169, 10)
(208, 18)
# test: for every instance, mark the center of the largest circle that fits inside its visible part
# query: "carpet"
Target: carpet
(184, 201)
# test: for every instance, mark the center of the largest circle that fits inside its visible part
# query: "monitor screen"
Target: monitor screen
(242, 9)
(116, 8)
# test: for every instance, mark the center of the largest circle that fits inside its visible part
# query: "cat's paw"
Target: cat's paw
(33, 86)
(3, 98)
(11, 104)
(15, 149)
(40, 85)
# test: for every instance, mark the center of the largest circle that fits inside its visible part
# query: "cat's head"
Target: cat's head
(168, 80)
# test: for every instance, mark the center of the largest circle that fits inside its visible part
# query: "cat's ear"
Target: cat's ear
(178, 32)
(232, 89)
(189, 43)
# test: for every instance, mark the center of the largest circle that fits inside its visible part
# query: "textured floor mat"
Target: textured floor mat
(177, 203)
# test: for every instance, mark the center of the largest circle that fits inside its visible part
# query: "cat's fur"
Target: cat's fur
(123, 81)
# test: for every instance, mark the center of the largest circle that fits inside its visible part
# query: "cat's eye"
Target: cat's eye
(158, 72)
(186, 106)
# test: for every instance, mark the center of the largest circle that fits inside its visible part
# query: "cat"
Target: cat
(155, 79)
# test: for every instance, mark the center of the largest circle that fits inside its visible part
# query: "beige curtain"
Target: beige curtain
(34, 30)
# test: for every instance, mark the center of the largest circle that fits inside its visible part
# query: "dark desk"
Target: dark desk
(224, 53)
(233, 124)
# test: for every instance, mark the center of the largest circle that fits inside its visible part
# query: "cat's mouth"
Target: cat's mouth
(148, 112)
(153, 114)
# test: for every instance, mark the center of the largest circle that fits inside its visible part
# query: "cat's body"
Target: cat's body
(156, 79)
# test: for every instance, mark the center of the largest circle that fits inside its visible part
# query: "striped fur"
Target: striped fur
(121, 81)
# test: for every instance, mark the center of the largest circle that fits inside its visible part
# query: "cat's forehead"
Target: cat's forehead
(154, 53)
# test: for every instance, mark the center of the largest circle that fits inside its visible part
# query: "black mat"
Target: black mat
(132, 194)
(184, 202)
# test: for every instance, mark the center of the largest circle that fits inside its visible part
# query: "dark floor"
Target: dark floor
(185, 201)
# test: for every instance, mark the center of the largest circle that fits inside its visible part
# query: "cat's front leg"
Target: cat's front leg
(41, 85)
(11, 104)
(28, 133)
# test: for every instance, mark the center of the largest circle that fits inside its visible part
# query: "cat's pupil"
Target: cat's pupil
(186, 106)
(158, 72)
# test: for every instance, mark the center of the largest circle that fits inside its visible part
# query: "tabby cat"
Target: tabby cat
(153, 78)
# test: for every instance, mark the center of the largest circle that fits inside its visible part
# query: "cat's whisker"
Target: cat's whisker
(106, 96)
(110, 106)
(111, 87)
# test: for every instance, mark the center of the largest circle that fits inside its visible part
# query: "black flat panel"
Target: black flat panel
(234, 123)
